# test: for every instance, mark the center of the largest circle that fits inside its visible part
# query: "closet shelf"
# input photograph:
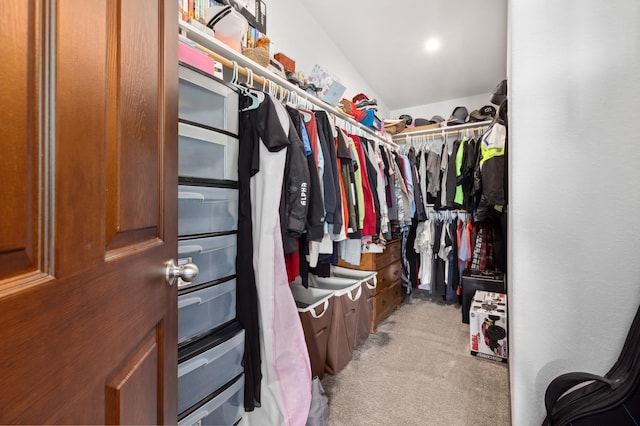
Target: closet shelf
(441, 130)
(225, 55)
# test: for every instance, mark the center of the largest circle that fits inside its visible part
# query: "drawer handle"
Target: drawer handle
(188, 302)
(196, 196)
(190, 249)
(190, 196)
(383, 302)
(396, 272)
(198, 249)
(189, 366)
(200, 415)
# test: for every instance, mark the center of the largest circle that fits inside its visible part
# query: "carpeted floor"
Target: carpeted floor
(416, 370)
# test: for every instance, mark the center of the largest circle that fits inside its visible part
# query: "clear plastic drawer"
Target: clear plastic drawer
(225, 408)
(215, 257)
(206, 309)
(203, 210)
(206, 154)
(208, 371)
(206, 101)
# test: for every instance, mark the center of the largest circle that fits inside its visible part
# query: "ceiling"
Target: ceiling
(385, 42)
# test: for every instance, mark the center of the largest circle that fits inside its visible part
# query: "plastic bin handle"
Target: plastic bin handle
(188, 302)
(201, 414)
(324, 310)
(191, 365)
(190, 196)
(198, 249)
(353, 299)
(199, 197)
(189, 249)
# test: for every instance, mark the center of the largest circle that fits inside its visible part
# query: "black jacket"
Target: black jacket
(315, 213)
(294, 204)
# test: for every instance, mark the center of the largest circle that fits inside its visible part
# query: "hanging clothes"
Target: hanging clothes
(369, 220)
(332, 197)
(346, 171)
(424, 247)
(420, 213)
(315, 215)
(282, 384)
(489, 173)
(372, 174)
(381, 206)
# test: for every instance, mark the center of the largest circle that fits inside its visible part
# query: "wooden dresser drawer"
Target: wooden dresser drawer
(391, 253)
(377, 261)
(388, 276)
(385, 303)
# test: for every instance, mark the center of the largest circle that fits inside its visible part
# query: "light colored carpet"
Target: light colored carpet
(417, 370)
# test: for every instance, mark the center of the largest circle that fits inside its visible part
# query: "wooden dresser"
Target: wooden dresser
(388, 293)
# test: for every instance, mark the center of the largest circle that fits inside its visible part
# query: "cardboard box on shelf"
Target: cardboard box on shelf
(331, 89)
(288, 63)
(488, 326)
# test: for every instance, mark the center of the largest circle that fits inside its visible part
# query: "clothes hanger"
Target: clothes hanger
(256, 96)
(306, 115)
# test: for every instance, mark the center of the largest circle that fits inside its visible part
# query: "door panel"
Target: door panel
(134, 114)
(129, 399)
(92, 339)
(19, 234)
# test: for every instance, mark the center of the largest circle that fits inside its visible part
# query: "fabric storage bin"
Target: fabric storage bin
(208, 364)
(205, 101)
(315, 307)
(225, 408)
(343, 321)
(205, 309)
(203, 210)
(215, 257)
(368, 280)
(206, 154)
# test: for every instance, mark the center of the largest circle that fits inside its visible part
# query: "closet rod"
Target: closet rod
(199, 38)
(446, 130)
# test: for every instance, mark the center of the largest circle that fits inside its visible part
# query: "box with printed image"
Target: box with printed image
(488, 326)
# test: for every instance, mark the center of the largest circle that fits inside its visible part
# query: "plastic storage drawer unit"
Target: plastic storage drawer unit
(215, 257)
(225, 408)
(205, 309)
(205, 154)
(202, 210)
(208, 364)
(315, 307)
(344, 320)
(205, 101)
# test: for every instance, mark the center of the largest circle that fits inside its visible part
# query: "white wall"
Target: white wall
(295, 32)
(574, 277)
(444, 108)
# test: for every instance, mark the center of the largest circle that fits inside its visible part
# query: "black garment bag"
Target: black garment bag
(610, 400)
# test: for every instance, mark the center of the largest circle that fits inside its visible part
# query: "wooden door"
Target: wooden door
(88, 211)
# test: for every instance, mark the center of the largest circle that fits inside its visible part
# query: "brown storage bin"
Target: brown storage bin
(368, 282)
(342, 334)
(315, 307)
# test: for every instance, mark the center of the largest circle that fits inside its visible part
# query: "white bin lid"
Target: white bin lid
(313, 297)
(340, 286)
(339, 271)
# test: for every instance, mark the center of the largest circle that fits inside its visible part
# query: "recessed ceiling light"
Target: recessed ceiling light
(432, 45)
